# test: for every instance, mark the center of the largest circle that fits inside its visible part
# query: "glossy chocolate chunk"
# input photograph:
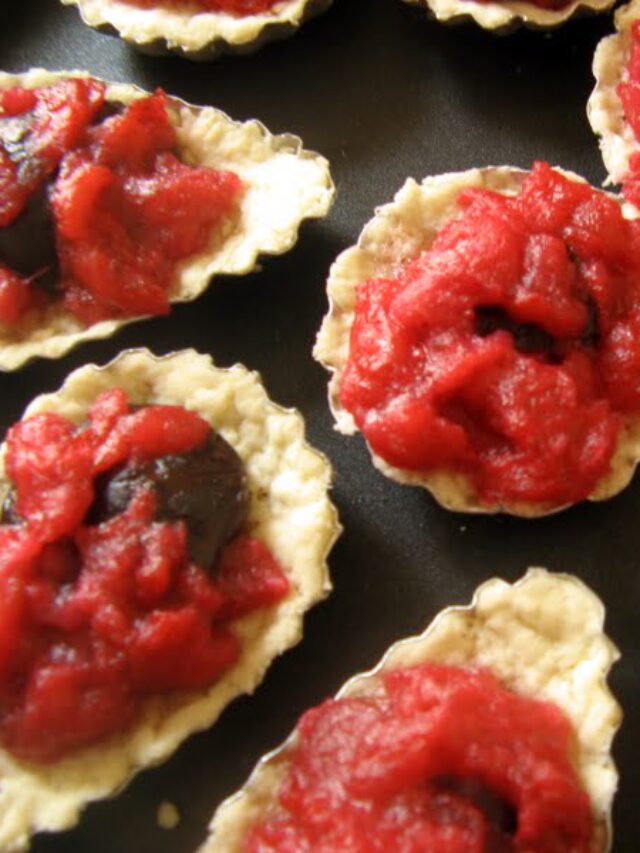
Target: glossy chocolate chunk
(28, 245)
(206, 488)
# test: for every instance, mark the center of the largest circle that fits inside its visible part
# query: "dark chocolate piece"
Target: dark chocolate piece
(206, 488)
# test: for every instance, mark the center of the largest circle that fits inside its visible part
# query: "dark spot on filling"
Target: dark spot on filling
(501, 815)
(528, 337)
(28, 245)
(108, 110)
(205, 488)
(591, 334)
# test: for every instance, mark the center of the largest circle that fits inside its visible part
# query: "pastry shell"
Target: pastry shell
(200, 36)
(604, 108)
(542, 637)
(507, 15)
(289, 510)
(398, 232)
(284, 184)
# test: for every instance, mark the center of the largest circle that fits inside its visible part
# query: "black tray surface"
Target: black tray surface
(384, 94)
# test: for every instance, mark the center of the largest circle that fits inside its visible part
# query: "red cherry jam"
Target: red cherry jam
(629, 94)
(239, 8)
(96, 208)
(438, 759)
(97, 615)
(510, 350)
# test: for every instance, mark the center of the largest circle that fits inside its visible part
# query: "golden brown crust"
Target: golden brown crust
(542, 637)
(200, 36)
(290, 511)
(398, 232)
(284, 184)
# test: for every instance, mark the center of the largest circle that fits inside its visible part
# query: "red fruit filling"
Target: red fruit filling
(439, 759)
(629, 94)
(97, 209)
(95, 616)
(239, 8)
(510, 350)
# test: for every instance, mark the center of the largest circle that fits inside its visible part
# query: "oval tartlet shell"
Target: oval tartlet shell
(289, 510)
(542, 637)
(284, 184)
(200, 36)
(604, 108)
(506, 16)
(398, 232)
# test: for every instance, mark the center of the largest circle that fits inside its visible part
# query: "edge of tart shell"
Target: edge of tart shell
(290, 510)
(504, 17)
(286, 184)
(542, 636)
(203, 36)
(398, 232)
(604, 109)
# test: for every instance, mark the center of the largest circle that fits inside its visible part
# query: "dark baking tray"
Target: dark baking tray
(384, 94)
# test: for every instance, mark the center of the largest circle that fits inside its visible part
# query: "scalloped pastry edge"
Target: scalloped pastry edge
(543, 637)
(284, 184)
(604, 108)
(503, 17)
(200, 36)
(398, 232)
(290, 510)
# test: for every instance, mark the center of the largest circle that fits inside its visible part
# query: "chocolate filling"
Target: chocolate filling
(28, 244)
(205, 488)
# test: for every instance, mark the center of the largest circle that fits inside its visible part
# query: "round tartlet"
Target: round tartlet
(604, 109)
(289, 510)
(505, 16)
(398, 232)
(284, 184)
(542, 637)
(196, 35)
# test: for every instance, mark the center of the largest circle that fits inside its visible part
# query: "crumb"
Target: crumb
(167, 816)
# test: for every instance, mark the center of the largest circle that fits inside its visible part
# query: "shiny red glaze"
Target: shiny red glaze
(232, 7)
(94, 617)
(126, 209)
(509, 351)
(439, 759)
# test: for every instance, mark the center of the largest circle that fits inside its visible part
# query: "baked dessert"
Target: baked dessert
(198, 29)
(504, 15)
(416, 755)
(150, 506)
(480, 336)
(118, 203)
(613, 106)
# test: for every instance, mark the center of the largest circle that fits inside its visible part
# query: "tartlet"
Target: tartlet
(200, 35)
(284, 184)
(542, 637)
(289, 510)
(604, 109)
(505, 16)
(399, 232)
